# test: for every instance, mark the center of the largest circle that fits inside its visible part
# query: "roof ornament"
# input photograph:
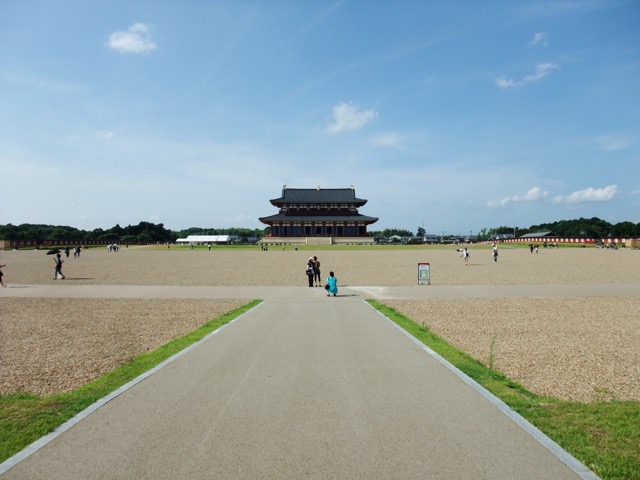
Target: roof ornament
(284, 187)
(318, 188)
(353, 187)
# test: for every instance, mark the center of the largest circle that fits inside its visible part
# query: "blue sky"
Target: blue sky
(454, 116)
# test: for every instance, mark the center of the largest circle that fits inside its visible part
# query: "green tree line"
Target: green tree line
(144, 232)
(579, 228)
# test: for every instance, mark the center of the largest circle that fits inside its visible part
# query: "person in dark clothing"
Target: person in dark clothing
(58, 272)
(310, 271)
(316, 271)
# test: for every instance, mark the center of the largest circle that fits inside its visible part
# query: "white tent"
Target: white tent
(206, 239)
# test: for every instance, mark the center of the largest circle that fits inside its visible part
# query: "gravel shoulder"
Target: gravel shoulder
(583, 349)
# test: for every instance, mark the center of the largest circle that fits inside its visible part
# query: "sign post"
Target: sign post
(424, 275)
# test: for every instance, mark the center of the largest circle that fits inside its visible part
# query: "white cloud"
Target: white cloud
(589, 195)
(533, 195)
(347, 116)
(635, 192)
(504, 82)
(542, 70)
(541, 38)
(135, 40)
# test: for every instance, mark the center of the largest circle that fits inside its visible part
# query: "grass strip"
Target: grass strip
(26, 418)
(605, 436)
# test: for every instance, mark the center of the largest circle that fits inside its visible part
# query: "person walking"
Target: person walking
(466, 255)
(332, 283)
(310, 271)
(1, 282)
(58, 271)
(495, 253)
(316, 271)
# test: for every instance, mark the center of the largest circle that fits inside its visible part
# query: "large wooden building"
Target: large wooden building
(318, 212)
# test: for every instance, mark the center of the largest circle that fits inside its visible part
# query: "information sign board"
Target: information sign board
(424, 274)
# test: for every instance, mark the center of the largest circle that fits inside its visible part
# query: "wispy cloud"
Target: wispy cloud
(612, 143)
(542, 70)
(533, 195)
(539, 38)
(388, 140)
(589, 195)
(136, 39)
(330, 10)
(105, 135)
(347, 116)
(19, 78)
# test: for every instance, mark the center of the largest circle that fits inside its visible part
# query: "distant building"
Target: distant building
(539, 236)
(318, 212)
(501, 237)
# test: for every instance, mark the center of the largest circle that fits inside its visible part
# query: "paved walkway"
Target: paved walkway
(302, 386)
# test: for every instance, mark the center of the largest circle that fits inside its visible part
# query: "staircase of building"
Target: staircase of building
(317, 241)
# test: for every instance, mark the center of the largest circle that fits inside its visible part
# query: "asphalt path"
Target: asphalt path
(302, 386)
(62, 290)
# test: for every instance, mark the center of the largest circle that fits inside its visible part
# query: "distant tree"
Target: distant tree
(143, 238)
(626, 229)
(390, 232)
(109, 237)
(95, 234)
(483, 234)
(117, 230)
(503, 230)
(8, 232)
(63, 233)
(421, 232)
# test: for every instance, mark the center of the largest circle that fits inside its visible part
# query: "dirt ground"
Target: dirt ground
(581, 349)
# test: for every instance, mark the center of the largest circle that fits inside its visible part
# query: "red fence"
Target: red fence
(584, 241)
(58, 243)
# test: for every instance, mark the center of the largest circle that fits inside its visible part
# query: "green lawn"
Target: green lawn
(605, 436)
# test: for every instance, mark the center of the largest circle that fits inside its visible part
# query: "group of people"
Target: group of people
(313, 272)
(464, 253)
(314, 278)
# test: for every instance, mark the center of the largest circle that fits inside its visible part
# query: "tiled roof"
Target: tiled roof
(539, 234)
(318, 195)
(318, 218)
